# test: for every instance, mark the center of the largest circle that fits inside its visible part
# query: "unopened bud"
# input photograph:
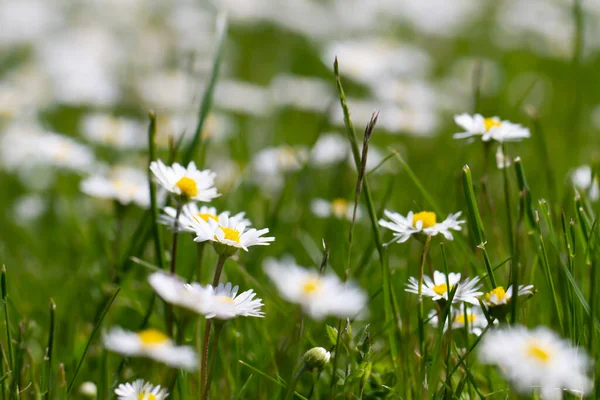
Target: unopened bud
(316, 357)
(88, 389)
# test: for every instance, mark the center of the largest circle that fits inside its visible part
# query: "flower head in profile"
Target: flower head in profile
(124, 184)
(583, 178)
(474, 319)
(492, 128)
(140, 390)
(338, 208)
(187, 184)
(537, 359)
(318, 295)
(222, 302)
(498, 296)
(153, 344)
(424, 222)
(466, 291)
(191, 212)
(228, 234)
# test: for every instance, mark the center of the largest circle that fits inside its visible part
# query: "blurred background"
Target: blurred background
(77, 79)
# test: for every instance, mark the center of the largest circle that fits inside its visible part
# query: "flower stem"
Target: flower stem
(294, 382)
(173, 264)
(420, 309)
(204, 366)
(218, 328)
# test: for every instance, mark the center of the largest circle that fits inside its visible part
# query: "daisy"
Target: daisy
(537, 359)
(583, 179)
(489, 129)
(499, 296)
(437, 289)
(191, 211)
(270, 165)
(474, 318)
(124, 184)
(113, 131)
(318, 295)
(228, 233)
(140, 390)
(187, 183)
(153, 344)
(338, 208)
(222, 302)
(422, 222)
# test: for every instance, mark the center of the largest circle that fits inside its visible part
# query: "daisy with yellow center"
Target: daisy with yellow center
(537, 360)
(222, 302)
(438, 289)
(124, 184)
(153, 344)
(188, 184)
(473, 318)
(498, 296)
(227, 233)
(424, 222)
(490, 128)
(337, 208)
(191, 213)
(318, 295)
(140, 390)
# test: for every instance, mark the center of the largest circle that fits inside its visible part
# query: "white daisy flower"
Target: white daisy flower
(187, 183)
(122, 133)
(190, 211)
(339, 208)
(229, 232)
(153, 344)
(124, 184)
(499, 296)
(474, 318)
(489, 128)
(330, 148)
(537, 359)
(270, 165)
(318, 295)
(437, 289)
(140, 390)
(422, 222)
(582, 179)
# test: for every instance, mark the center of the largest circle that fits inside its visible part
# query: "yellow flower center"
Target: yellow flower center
(539, 353)
(491, 123)
(441, 289)
(225, 300)
(339, 207)
(460, 319)
(151, 337)
(187, 186)
(498, 292)
(231, 234)
(426, 217)
(206, 216)
(311, 286)
(146, 396)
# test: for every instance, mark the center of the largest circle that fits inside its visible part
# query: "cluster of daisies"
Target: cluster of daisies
(319, 294)
(532, 360)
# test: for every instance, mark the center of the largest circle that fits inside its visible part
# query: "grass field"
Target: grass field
(92, 93)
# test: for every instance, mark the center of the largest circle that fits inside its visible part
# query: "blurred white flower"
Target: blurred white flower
(169, 91)
(140, 390)
(421, 222)
(489, 129)
(502, 161)
(88, 389)
(187, 183)
(270, 165)
(153, 344)
(119, 132)
(191, 210)
(338, 208)
(474, 319)
(583, 180)
(242, 97)
(304, 93)
(437, 289)
(330, 148)
(537, 359)
(124, 184)
(318, 295)
(28, 208)
(27, 21)
(222, 302)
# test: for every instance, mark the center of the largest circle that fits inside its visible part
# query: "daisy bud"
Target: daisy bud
(316, 357)
(88, 389)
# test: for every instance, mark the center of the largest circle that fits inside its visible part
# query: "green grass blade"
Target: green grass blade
(158, 244)
(9, 347)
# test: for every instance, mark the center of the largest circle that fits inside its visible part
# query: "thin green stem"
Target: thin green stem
(420, 310)
(215, 347)
(292, 386)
